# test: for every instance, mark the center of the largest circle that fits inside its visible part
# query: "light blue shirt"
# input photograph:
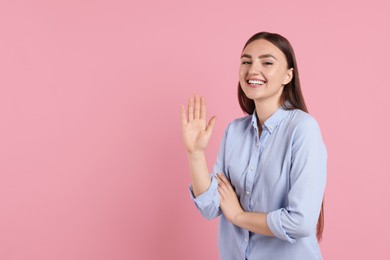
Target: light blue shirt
(282, 173)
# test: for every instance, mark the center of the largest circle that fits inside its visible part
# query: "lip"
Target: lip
(255, 85)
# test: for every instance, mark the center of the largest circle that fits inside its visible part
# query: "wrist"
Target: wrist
(238, 218)
(195, 153)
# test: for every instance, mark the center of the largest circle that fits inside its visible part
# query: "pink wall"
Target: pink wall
(91, 160)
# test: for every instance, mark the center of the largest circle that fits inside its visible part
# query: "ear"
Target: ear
(289, 76)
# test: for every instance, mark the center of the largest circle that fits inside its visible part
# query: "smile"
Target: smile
(255, 82)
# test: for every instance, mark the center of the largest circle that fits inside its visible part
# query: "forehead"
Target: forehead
(262, 47)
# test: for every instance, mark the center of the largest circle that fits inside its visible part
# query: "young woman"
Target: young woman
(268, 181)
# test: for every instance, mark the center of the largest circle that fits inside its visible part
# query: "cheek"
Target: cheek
(242, 78)
(276, 75)
(242, 72)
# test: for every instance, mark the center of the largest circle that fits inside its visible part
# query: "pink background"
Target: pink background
(91, 160)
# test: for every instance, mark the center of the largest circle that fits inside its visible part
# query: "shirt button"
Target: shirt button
(247, 193)
(257, 144)
(251, 168)
(246, 240)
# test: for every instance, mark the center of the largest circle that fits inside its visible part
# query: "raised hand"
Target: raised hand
(196, 131)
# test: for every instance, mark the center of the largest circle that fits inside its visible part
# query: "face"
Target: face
(264, 71)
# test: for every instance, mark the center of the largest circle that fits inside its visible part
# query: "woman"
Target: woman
(268, 181)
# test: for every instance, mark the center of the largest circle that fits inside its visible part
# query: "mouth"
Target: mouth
(255, 82)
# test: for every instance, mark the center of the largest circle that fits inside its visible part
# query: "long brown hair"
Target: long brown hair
(292, 97)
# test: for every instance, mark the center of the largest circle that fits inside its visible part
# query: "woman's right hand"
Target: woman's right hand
(196, 131)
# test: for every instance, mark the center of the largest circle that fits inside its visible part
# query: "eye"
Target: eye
(246, 62)
(268, 63)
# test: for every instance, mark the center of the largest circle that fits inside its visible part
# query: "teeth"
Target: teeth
(258, 82)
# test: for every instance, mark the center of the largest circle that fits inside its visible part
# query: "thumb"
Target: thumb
(211, 124)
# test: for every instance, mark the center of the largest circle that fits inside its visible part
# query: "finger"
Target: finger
(202, 108)
(221, 193)
(183, 115)
(197, 107)
(222, 177)
(223, 186)
(211, 124)
(191, 109)
(225, 181)
(223, 190)
(220, 199)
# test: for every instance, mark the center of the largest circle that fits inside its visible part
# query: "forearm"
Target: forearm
(199, 172)
(231, 208)
(254, 222)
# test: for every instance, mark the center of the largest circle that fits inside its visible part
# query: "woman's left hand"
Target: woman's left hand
(229, 203)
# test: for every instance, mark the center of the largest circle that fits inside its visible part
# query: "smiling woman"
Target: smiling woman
(268, 181)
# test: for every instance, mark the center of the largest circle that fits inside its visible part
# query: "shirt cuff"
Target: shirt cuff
(208, 197)
(274, 222)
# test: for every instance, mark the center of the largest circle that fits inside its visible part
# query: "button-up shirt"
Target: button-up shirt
(282, 173)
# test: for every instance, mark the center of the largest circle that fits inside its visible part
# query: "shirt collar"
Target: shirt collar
(273, 121)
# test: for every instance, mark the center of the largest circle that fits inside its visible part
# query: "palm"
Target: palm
(195, 135)
(196, 132)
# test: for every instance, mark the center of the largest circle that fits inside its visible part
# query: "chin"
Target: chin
(252, 93)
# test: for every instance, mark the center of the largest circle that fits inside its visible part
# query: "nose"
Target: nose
(254, 69)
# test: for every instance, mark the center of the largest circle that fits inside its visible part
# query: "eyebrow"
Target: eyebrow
(261, 56)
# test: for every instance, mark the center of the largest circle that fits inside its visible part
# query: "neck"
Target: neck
(264, 109)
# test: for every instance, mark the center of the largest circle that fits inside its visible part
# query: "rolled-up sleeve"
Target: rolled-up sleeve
(307, 185)
(208, 202)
